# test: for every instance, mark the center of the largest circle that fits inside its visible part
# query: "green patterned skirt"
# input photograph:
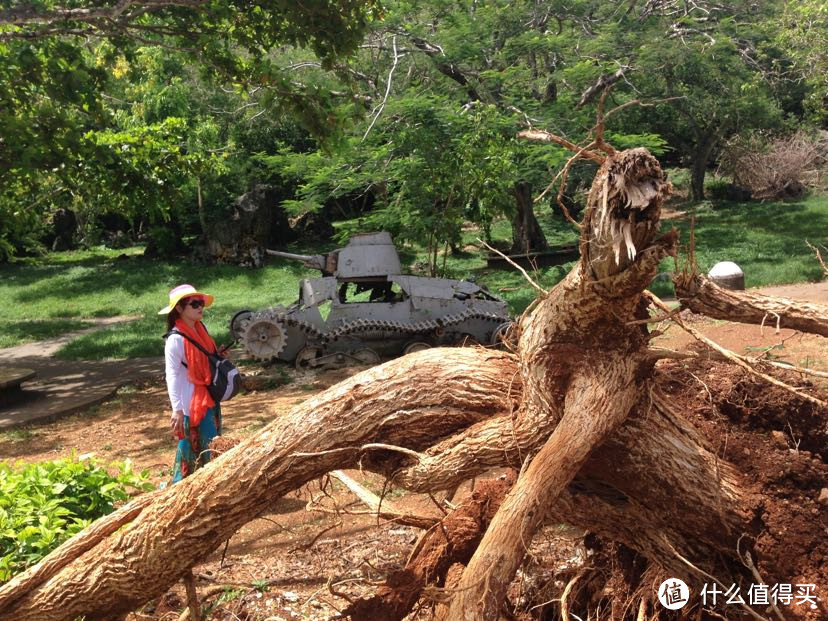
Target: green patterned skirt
(192, 451)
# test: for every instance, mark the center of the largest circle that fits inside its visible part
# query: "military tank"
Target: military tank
(363, 309)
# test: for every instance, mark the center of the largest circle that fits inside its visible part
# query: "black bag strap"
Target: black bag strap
(198, 345)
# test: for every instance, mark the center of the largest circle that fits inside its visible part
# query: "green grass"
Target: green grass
(767, 240)
(46, 296)
(77, 285)
(18, 435)
(26, 331)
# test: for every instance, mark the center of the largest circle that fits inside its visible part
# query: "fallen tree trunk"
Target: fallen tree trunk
(189, 520)
(705, 297)
(579, 409)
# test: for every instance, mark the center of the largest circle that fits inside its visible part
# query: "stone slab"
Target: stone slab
(65, 387)
(12, 377)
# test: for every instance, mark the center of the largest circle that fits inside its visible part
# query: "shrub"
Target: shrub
(774, 167)
(723, 190)
(44, 504)
(163, 242)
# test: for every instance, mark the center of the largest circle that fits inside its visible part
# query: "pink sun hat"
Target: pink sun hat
(184, 291)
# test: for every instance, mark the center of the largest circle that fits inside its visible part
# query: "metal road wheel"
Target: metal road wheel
(305, 357)
(264, 338)
(413, 346)
(237, 323)
(502, 333)
(366, 355)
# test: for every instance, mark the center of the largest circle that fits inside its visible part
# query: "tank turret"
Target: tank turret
(366, 256)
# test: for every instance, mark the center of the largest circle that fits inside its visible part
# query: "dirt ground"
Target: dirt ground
(289, 562)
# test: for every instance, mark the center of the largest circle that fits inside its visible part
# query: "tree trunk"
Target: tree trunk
(705, 297)
(581, 410)
(527, 235)
(202, 218)
(698, 167)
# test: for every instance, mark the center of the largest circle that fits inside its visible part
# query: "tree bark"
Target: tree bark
(704, 297)
(597, 402)
(527, 235)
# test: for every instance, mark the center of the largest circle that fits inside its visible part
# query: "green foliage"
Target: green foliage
(805, 37)
(164, 240)
(157, 133)
(135, 126)
(260, 585)
(44, 504)
(440, 148)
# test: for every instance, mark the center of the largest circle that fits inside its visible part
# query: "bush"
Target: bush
(723, 190)
(773, 168)
(44, 504)
(163, 242)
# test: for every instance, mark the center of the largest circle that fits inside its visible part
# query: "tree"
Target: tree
(59, 84)
(583, 375)
(716, 68)
(805, 36)
(715, 95)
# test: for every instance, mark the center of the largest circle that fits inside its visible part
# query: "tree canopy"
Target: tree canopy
(96, 99)
(168, 110)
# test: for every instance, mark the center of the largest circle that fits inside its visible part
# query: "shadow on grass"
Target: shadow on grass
(17, 332)
(135, 339)
(107, 288)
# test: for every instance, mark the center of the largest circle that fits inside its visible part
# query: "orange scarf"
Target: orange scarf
(198, 369)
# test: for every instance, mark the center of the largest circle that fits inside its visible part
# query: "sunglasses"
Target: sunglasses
(194, 303)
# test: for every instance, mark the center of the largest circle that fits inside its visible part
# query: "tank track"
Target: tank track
(281, 316)
(375, 327)
(361, 327)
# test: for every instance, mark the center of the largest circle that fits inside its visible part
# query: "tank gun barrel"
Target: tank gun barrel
(313, 261)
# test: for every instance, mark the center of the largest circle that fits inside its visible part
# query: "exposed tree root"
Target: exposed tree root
(593, 410)
(378, 507)
(452, 540)
(733, 357)
(193, 605)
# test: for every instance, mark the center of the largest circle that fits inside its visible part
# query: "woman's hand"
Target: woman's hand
(177, 424)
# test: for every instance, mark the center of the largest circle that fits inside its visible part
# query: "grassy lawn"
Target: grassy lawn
(767, 240)
(26, 331)
(96, 283)
(44, 297)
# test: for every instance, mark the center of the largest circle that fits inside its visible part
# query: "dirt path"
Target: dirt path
(804, 350)
(61, 387)
(813, 292)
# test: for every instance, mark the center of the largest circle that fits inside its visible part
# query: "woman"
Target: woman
(196, 418)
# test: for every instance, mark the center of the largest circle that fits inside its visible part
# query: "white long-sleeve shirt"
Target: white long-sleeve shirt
(179, 386)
